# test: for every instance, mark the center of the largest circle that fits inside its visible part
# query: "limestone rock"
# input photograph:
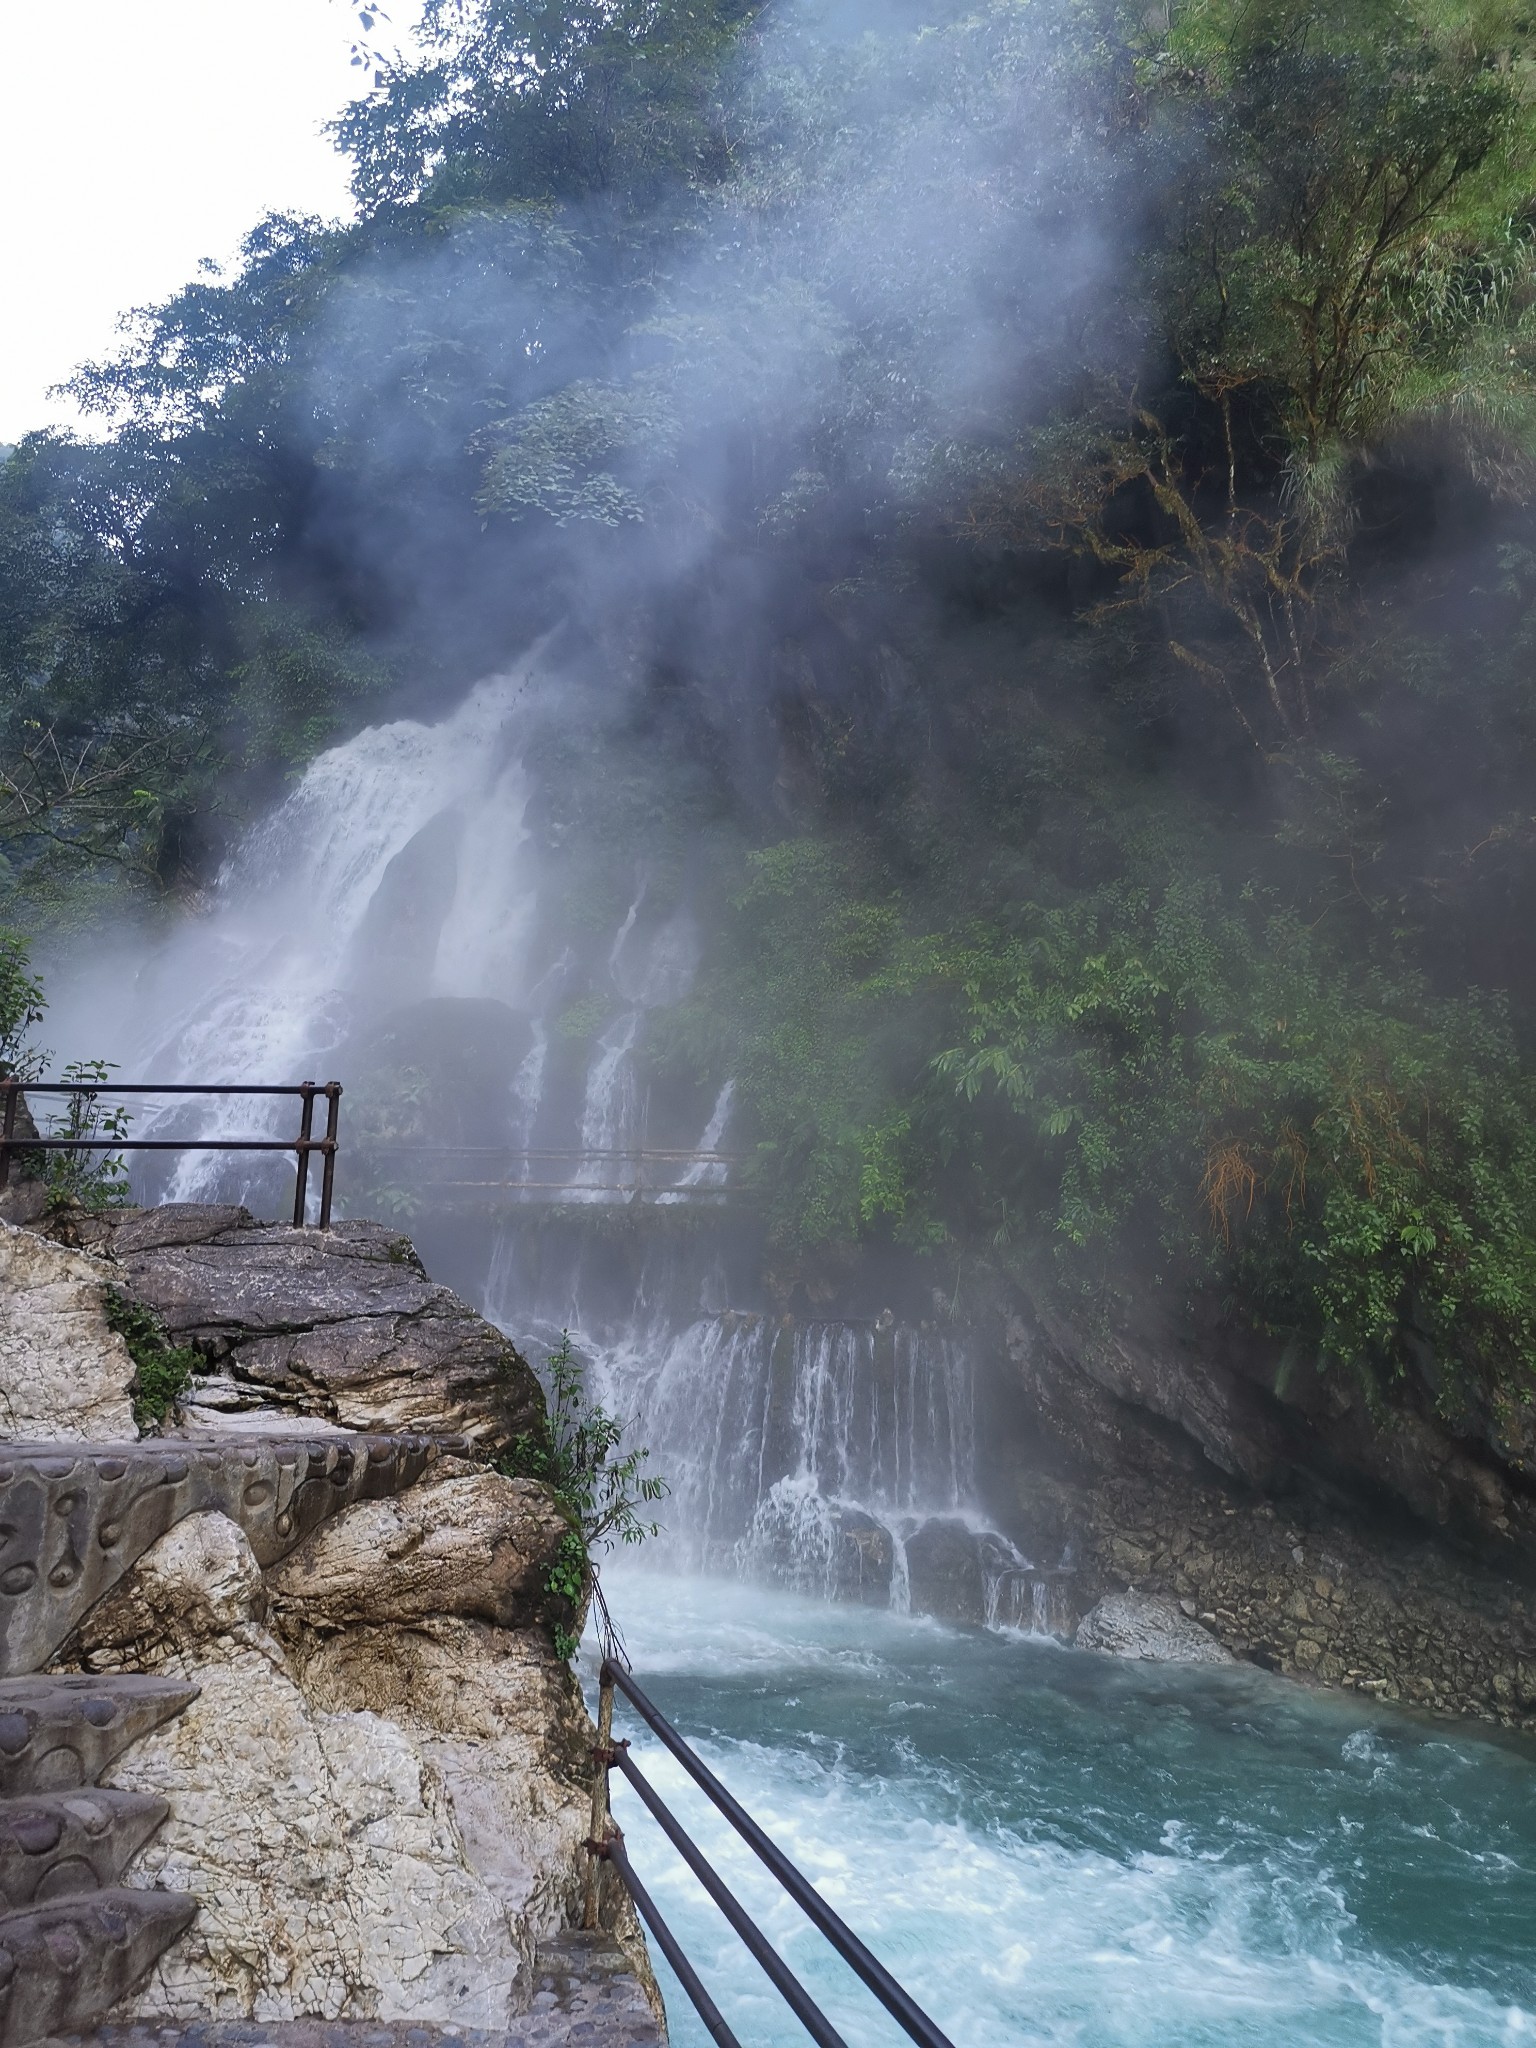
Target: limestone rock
(471, 1543)
(944, 1571)
(502, 1718)
(333, 1881)
(199, 1581)
(63, 1373)
(803, 1538)
(343, 1324)
(1145, 1625)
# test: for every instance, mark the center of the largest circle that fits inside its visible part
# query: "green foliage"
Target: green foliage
(566, 99)
(1198, 1086)
(163, 1370)
(89, 1179)
(568, 1580)
(22, 1005)
(601, 1492)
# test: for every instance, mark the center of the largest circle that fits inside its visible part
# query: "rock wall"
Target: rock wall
(379, 1794)
(63, 1372)
(1369, 1549)
(341, 1325)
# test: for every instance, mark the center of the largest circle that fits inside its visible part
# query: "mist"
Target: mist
(865, 673)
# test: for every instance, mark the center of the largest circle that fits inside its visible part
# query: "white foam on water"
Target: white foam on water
(1021, 1894)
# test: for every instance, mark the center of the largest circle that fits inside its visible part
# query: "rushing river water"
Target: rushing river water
(1048, 1846)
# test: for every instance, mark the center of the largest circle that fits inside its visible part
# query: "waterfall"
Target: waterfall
(607, 1169)
(390, 925)
(401, 872)
(707, 1169)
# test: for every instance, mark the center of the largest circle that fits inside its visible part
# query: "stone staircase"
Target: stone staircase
(74, 1939)
(364, 1686)
(74, 1518)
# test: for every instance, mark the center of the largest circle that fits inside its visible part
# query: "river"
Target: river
(1053, 1846)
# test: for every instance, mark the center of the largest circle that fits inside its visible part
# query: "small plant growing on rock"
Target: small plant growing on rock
(88, 1179)
(163, 1370)
(602, 1492)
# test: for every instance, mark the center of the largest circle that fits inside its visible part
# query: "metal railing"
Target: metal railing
(606, 1844)
(301, 1146)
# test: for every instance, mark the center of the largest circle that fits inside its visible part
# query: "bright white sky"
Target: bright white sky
(138, 136)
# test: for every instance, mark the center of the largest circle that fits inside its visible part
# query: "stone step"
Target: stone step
(60, 1731)
(75, 1517)
(66, 1963)
(56, 1844)
(73, 1943)
(585, 1995)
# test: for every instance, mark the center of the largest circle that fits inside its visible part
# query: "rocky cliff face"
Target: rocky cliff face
(377, 1796)
(1383, 1547)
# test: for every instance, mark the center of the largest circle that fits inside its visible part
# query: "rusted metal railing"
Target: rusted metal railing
(606, 1845)
(302, 1146)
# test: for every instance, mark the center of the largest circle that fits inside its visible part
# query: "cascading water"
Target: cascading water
(397, 900)
(1085, 1853)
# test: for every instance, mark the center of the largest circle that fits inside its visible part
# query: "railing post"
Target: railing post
(602, 1758)
(332, 1093)
(12, 1090)
(306, 1128)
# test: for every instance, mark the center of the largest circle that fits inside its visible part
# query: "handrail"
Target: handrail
(757, 1945)
(902, 2007)
(667, 1942)
(13, 1092)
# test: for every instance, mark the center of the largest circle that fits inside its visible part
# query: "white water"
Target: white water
(400, 869)
(1048, 1846)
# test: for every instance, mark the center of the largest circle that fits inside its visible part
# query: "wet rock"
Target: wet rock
(864, 1559)
(433, 1073)
(944, 1570)
(1147, 1626)
(828, 1548)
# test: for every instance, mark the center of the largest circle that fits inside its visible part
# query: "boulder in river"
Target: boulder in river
(1147, 1626)
(944, 1571)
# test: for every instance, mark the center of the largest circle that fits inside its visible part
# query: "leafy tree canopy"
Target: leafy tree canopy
(1056, 475)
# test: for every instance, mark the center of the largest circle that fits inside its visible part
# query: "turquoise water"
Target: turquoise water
(1048, 1846)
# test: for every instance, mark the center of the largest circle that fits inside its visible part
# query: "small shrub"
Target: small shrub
(88, 1179)
(162, 1370)
(601, 1493)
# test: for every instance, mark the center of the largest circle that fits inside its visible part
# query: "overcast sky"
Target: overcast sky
(138, 136)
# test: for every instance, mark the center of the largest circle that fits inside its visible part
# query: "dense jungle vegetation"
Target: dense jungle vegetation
(1051, 483)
